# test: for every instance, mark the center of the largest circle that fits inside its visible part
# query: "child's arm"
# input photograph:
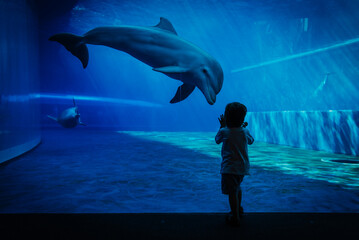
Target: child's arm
(250, 139)
(222, 121)
(219, 137)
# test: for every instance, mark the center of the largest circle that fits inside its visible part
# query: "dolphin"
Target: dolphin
(69, 118)
(323, 85)
(159, 47)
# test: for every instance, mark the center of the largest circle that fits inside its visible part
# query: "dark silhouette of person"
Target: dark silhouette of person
(235, 162)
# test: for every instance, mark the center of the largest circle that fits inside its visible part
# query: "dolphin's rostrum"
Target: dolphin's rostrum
(158, 47)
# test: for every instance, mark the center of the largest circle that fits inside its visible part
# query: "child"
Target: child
(235, 163)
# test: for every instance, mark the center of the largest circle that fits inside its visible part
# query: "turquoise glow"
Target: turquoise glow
(294, 161)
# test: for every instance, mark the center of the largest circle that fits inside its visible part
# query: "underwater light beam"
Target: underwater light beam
(96, 99)
(299, 55)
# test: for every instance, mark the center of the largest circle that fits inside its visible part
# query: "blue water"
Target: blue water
(86, 171)
(284, 51)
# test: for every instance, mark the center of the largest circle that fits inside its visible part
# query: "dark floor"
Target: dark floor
(180, 226)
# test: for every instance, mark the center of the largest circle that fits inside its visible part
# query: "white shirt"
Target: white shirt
(234, 150)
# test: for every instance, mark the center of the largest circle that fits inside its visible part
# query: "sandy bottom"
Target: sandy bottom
(88, 171)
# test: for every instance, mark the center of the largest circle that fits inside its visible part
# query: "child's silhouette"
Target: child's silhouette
(235, 162)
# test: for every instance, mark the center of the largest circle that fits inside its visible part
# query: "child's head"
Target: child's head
(234, 114)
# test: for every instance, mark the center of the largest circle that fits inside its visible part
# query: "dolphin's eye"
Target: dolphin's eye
(204, 70)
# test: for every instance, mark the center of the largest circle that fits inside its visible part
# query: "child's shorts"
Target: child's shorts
(231, 183)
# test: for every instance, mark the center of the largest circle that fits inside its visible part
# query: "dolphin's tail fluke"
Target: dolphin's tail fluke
(74, 44)
(53, 118)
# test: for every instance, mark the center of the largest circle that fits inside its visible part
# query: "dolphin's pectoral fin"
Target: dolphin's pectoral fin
(53, 118)
(182, 93)
(73, 44)
(166, 25)
(83, 124)
(171, 69)
(184, 90)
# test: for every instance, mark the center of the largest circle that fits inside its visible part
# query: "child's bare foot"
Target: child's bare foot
(241, 213)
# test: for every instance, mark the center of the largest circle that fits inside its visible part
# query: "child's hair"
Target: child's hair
(234, 114)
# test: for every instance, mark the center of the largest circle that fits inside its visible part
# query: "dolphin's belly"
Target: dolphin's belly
(159, 56)
(68, 122)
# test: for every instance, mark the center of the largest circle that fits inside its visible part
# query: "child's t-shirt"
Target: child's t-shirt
(234, 150)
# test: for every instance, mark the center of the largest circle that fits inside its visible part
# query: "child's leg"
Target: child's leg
(239, 203)
(240, 208)
(230, 187)
(233, 203)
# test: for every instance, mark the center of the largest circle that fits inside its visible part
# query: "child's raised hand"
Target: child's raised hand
(222, 121)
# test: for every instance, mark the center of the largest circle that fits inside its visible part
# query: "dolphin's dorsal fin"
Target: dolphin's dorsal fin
(171, 69)
(182, 93)
(166, 25)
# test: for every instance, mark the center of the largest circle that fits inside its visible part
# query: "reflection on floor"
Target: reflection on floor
(88, 171)
(335, 168)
